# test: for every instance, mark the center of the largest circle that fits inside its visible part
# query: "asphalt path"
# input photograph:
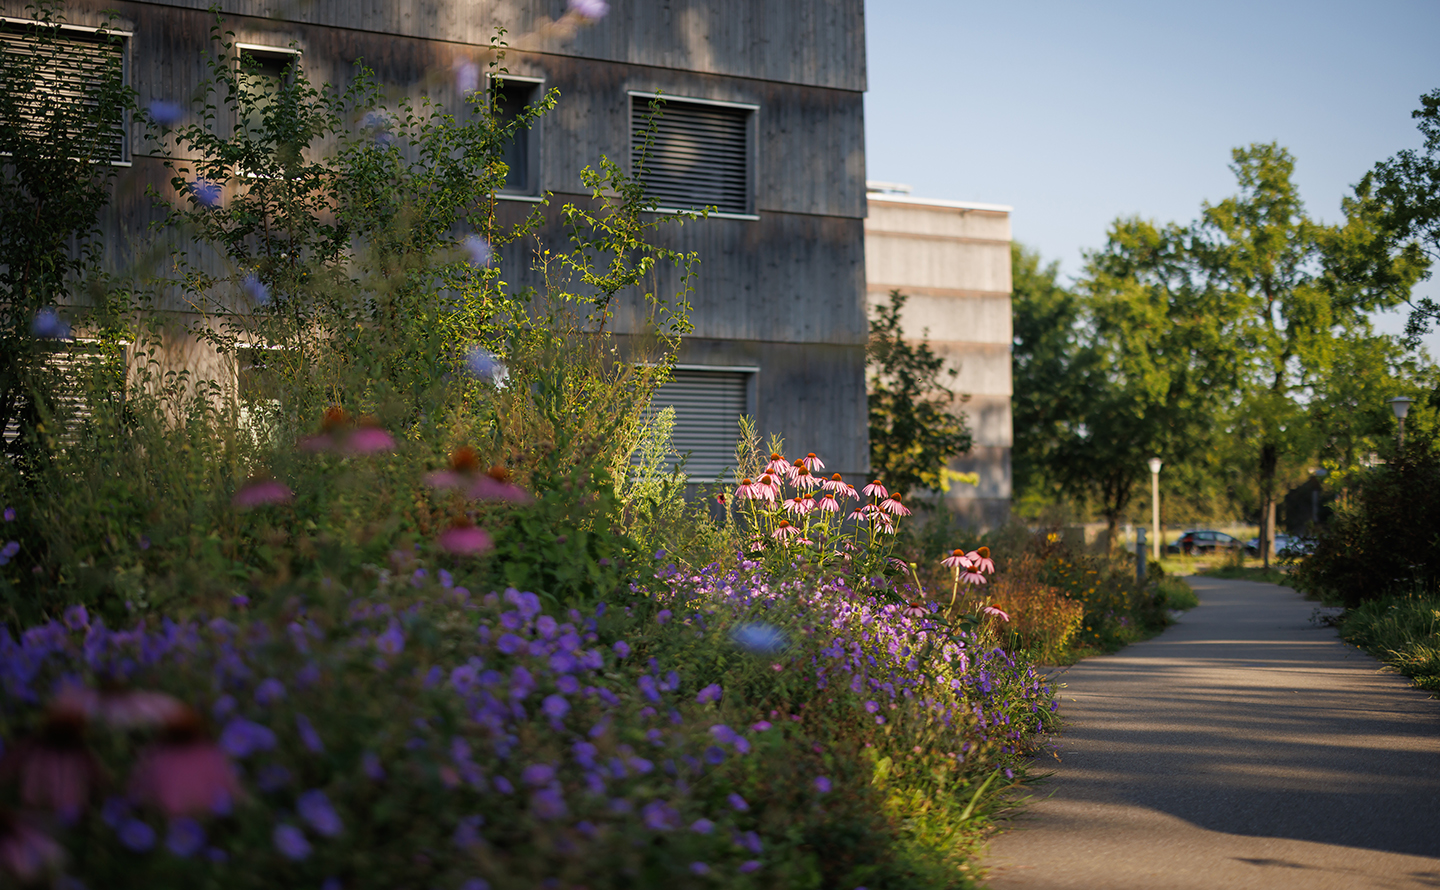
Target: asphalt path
(1244, 747)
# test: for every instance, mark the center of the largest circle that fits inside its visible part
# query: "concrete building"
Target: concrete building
(764, 120)
(952, 258)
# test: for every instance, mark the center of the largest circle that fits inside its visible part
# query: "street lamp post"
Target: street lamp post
(1155, 501)
(1401, 406)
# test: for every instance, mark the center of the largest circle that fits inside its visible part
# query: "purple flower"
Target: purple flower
(136, 835)
(269, 691)
(702, 826)
(738, 802)
(759, 639)
(205, 192)
(185, 838)
(315, 808)
(257, 289)
(272, 777)
(622, 649)
(241, 738)
(478, 250)
(370, 765)
(308, 735)
(503, 785)
(709, 693)
(761, 726)
(723, 734)
(555, 706)
(871, 706)
(538, 774)
(259, 491)
(749, 866)
(527, 603)
(475, 884)
(750, 841)
(9, 514)
(660, 816)
(662, 616)
(291, 842)
(594, 10)
(467, 76)
(484, 365)
(715, 755)
(647, 687)
(392, 641)
(548, 803)
(467, 833)
(165, 113)
(699, 868)
(822, 784)
(49, 326)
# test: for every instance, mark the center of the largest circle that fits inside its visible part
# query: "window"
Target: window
(521, 154)
(264, 71)
(709, 403)
(73, 374)
(699, 156)
(77, 73)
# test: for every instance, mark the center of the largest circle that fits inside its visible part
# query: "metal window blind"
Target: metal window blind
(70, 68)
(70, 373)
(699, 156)
(708, 407)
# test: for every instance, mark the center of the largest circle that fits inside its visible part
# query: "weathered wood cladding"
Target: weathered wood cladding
(785, 277)
(815, 43)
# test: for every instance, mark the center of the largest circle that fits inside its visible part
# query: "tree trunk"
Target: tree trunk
(1269, 459)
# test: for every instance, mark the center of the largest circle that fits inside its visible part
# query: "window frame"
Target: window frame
(534, 192)
(752, 148)
(127, 43)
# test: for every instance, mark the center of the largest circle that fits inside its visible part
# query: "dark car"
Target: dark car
(1203, 541)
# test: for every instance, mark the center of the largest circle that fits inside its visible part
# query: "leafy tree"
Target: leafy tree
(1400, 200)
(55, 179)
(914, 429)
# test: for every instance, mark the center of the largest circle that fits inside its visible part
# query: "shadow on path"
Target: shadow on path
(1244, 720)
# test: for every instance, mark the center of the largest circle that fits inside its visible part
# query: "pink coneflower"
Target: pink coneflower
(747, 492)
(799, 505)
(259, 491)
(769, 487)
(840, 487)
(864, 512)
(892, 505)
(464, 539)
(369, 438)
(875, 490)
(980, 558)
(333, 424)
(464, 464)
(812, 463)
(915, 609)
(25, 852)
(184, 773)
(828, 503)
(122, 708)
(495, 485)
(802, 478)
(996, 612)
(56, 769)
(972, 576)
(778, 466)
(956, 560)
(784, 531)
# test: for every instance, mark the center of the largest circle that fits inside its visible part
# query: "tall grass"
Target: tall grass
(1403, 631)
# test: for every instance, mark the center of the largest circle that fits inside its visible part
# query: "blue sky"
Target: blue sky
(1076, 113)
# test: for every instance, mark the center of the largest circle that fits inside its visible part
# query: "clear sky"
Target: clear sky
(1077, 113)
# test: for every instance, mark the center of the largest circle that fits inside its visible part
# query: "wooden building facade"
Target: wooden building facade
(765, 122)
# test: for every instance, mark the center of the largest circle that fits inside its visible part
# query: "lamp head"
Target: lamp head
(1401, 406)
(1155, 465)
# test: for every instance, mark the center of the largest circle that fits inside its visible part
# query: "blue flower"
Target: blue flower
(49, 326)
(709, 693)
(269, 691)
(291, 842)
(478, 249)
(308, 735)
(206, 193)
(257, 289)
(822, 784)
(241, 738)
(485, 365)
(185, 838)
(165, 113)
(759, 639)
(136, 835)
(315, 808)
(392, 641)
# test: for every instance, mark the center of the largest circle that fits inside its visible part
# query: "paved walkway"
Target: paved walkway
(1244, 747)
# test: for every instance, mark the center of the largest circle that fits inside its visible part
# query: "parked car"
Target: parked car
(1285, 545)
(1203, 541)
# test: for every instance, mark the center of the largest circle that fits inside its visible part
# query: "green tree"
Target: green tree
(1399, 201)
(1284, 309)
(60, 124)
(914, 429)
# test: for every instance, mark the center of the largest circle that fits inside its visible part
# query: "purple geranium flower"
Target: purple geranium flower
(308, 735)
(136, 835)
(185, 838)
(49, 326)
(166, 113)
(241, 738)
(315, 808)
(206, 192)
(594, 10)
(709, 693)
(291, 842)
(392, 641)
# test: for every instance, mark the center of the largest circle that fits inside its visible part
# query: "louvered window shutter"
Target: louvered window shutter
(71, 65)
(73, 373)
(708, 407)
(699, 156)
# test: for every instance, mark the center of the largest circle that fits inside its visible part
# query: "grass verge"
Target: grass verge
(1403, 632)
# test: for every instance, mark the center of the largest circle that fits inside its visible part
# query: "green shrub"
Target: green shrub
(1403, 631)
